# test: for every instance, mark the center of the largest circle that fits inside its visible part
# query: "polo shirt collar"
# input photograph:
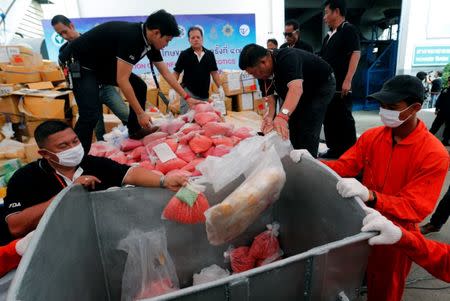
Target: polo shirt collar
(147, 45)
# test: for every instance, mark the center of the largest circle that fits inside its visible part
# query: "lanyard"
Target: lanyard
(63, 184)
(266, 89)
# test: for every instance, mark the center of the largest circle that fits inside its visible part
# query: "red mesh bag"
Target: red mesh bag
(203, 107)
(165, 167)
(265, 247)
(240, 259)
(184, 152)
(218, 128)
(222, 140)
(205, 117)
(130, 144)
(200, 144)
(187, 206)
(155, 136)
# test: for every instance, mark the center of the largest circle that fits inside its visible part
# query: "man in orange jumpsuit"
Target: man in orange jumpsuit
(433, 256)
(403, 168)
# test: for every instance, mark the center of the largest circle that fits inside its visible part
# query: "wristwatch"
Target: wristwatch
(285, 111)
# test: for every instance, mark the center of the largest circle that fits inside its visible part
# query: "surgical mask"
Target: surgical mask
(71, 157)
(391, 118)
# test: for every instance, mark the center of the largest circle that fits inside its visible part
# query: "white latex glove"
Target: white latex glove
(298, 154)
(22, 245)
(351, 187)
(221, 93)
(172, 95)
(389, 233)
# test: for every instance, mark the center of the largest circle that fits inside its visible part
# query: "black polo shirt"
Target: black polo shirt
(99, 48)
(37, 182)
(338, 49)
(299, 45)
(292, 64)
(436, 85)
(196, 73)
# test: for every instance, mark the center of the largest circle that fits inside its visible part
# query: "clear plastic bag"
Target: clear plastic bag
(230, 218)
(149, 269)
(211, 273)
(10, 149)
(265, 247)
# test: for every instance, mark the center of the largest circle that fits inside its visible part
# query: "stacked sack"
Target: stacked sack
(191, 137)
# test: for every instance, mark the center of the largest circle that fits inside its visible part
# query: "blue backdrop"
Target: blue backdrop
(225, 35)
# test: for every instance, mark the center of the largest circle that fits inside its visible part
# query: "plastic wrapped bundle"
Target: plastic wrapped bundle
(240, 259)
(230, 218)
(200, 144)
(205, 117)
(218, 128)
(130, 144)
(265, 247)
(211, 273)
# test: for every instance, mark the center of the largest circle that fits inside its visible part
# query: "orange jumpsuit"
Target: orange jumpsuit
(407, 178)
(9, 259)
(433, 256)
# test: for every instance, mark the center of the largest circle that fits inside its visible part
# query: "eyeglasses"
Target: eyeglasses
(289, 34)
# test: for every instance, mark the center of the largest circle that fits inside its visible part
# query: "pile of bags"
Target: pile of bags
(179, 145)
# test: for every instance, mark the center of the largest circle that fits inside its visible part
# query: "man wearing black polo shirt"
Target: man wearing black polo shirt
(106, 55)
(304, 82)
(33, 187)
(292, 35)
(341, 49)
(198, 64)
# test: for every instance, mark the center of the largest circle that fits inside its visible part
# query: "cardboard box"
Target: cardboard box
(111, 121)
(43, 107)
(4, 57)
(248, 82)
(30, 127)
(23, 56)
(243, 102)
(231, 82)
(6, 89)
(152, 96)
(20, 74)
(228, 103)
(9, 107)
(40, 85)
(162, 107)
(52, 74)
(163, 85)
(259, 106)
(31, 151)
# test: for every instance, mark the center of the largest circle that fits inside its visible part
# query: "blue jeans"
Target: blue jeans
(434, 97)
(110, 97)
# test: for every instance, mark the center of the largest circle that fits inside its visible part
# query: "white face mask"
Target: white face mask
(391, 118)
(71, 157)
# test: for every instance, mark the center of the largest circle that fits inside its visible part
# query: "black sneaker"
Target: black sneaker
(141, 133)
(429, 228)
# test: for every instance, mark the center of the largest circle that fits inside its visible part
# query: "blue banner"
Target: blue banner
(225, 35)
(431, 56)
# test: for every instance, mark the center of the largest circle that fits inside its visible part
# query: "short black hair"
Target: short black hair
(192, 28)
(48, 128)
(250, 55)
(334, 4)
(439, 73)
(273, 41)
(163, 21)
(61, 19)
(421, 75)
(292, 23)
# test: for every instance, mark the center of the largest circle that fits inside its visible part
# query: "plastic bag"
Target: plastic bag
(265, 247)
(10, 149)
(211, 273)
(167, 166)
(222, 140)
(179, 172)
(147, 165)
(186, 138)
(221, 150)
(189, 127)
(102, 149)
(187, 206)
(203, 107)
(205, 117)
(230, 218)
(193, 164)
(185, 153)
(171, 126)
(116, 136)
(243, 133)
(130, 144)
(149, 269)
(119, 157)
(200, 144)
(136, 154)
(240, 259)
(154, 137)
(218, 128)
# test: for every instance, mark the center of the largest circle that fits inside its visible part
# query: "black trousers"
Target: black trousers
(442, 213)
(438, 122)
(86, 91)
(306, 121)
(339, 125)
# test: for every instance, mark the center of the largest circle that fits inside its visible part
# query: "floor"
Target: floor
(421, 285)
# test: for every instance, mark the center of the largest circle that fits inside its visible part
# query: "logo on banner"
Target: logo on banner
(182, 31)
(57, 39)
(244, 30)
(227, 30)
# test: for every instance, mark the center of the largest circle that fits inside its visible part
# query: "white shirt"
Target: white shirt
(76, 175)
(199, 55)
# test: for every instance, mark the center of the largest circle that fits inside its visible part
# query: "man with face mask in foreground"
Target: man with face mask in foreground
(33, 187)
(403, 168)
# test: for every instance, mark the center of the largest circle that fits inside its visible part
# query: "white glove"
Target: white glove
(172, 95)
(221, 93)
(389, 233)
(350, 187)
(298, 154)
(22, 245)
